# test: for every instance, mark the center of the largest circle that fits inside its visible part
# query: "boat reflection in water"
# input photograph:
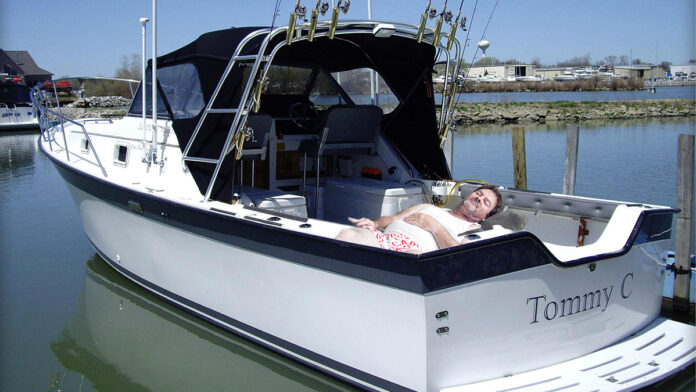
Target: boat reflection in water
(122, 338)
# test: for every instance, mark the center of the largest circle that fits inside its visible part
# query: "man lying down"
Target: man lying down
(424, 227)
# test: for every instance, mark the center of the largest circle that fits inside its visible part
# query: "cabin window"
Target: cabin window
(356, 84)
(287, 80)
(324, 92)
(182, 88)
(137, 104)
(121, 155)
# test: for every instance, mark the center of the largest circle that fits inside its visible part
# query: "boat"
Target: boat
(490, 79)
(566, 76)
(529, 78)
(224, 195)
(16, 109)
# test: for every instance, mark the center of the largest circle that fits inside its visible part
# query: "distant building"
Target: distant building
(18, 63)
(551, 72)
(640, 71)
(683, 70)
(503, 71)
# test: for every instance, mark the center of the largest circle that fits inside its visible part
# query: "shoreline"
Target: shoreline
(564, 111)
(510, 112)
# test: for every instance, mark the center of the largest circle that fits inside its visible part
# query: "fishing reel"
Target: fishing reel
(343, 5)
(321, 8)
(447, 16)
(432, 14)
(301, 11)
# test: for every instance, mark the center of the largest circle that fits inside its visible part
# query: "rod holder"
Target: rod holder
(291, 28)
(257, 97)
(453, 33)
(443, 138)
(334, 23)
(437, 31)
(421, 27)
(312, 25)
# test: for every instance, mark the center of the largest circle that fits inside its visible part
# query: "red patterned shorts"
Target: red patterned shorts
(395, 241)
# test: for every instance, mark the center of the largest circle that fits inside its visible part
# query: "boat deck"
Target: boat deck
(663, 348)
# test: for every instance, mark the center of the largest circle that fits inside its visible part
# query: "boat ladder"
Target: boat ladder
(240, 113)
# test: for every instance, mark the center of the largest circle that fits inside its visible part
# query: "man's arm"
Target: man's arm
(383, 221)
(429, 224)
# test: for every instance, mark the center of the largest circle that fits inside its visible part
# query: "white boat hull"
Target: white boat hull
(16, 118)
(355, 329)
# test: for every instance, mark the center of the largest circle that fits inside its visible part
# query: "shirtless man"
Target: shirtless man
(424, 227)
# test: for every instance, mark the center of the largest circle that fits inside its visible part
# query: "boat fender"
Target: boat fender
(582, 231)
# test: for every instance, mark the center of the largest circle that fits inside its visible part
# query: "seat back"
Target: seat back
(262, 125)
(349, 128)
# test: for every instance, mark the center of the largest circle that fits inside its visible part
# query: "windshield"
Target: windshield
(181, 87)
(366, 87)
(338, 88)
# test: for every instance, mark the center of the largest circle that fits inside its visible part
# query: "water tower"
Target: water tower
(483, 45)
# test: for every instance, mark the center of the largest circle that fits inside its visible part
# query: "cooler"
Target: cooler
(364, 197)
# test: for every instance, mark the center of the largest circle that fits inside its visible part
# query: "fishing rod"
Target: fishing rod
(320, 8)
(299, 12)
(334, 16)
(455, 24)
(438, 25)
(452, 101)
(455, 72)
(424, 20)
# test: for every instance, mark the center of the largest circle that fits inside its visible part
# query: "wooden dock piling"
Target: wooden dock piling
(571, 160)
(519, 158)
(682, 257)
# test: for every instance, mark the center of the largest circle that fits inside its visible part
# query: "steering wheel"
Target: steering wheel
(304, 115)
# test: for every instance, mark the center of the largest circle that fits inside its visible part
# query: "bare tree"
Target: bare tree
(490, 60)
(130, 67)
(610, 60)
(623, 59)
(582, 61)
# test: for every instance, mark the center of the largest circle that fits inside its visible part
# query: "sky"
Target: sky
(89, 37)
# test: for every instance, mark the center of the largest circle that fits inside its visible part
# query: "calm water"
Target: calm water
(70, 323)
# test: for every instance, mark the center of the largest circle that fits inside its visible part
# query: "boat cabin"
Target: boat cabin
(335, 128)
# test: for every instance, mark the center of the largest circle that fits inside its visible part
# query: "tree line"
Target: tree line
(577, 61)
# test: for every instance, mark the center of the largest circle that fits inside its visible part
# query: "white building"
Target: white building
(684, 70)
(503, 71)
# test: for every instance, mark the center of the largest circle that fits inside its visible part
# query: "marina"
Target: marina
(255, 206)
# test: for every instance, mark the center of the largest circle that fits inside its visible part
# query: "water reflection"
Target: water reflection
(17, 151)
(472, 129)
(122, 338)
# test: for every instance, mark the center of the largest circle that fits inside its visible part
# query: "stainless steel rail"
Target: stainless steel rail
(48, 129)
